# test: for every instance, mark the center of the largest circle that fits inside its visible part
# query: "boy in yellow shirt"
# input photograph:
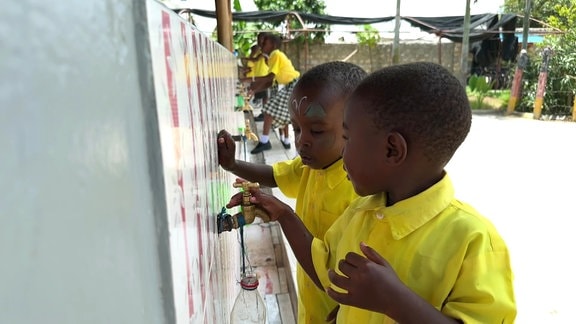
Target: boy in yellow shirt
(316, 178)
(257, 64)
(281, 71)
(406, 251)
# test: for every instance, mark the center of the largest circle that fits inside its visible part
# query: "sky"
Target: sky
(366, 9)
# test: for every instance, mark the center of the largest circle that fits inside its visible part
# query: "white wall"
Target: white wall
(85, 228)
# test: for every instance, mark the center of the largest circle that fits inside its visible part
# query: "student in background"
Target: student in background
(281, 72)
(257, 64)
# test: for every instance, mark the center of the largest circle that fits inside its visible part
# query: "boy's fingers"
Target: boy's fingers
(346, 268)
(341, 298)
(336, 279)
(223, 133)
(225, 138)
(372, 255)
(256, 196)
(235, 200)
(256, 192)
(354, 259)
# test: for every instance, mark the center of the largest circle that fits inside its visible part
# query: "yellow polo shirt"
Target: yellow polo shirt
(321, 197)
(441, 248)
(257, 68)
(281, 66)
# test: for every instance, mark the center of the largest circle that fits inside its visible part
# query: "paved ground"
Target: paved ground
(521, 174)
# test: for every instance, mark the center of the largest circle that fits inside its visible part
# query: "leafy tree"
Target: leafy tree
(369, 37)
(480, 88)
(540, 9)
(561, 82)
(308, 6)
(243, 40)
(562, 72)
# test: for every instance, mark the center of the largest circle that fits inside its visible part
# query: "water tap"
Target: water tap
(249, 210)
(245, 93)
(248, 132)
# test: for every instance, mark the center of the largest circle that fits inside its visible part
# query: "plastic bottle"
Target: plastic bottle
(249, 306)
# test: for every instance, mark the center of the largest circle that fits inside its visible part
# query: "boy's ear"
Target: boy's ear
(396, 148)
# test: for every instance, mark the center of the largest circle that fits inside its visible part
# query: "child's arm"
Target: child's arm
(254, 172)
(391, 297)
(259, 83)
(297, 234)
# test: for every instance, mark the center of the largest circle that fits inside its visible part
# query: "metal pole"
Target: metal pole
(522, 62)
(526, 25)
(541, 83)
(574, 110)
(517, 81)
(396, 44)
(440, 50)
(465, 46)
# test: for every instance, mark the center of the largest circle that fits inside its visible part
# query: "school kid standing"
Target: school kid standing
(407, 251)
(316, 177)
(257, 63)
(281, 72)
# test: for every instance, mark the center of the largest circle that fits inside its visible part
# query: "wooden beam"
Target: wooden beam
(224, 24)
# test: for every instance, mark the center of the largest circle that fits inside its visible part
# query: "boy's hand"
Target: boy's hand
(268, 203)
(361, 276)
(226, 150)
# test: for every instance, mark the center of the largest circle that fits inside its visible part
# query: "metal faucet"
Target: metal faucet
(249, 211)
(248, 132)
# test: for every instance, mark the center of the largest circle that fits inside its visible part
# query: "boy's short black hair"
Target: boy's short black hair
(422, 101)
(275, 38)
(261, 35)
(343, 77)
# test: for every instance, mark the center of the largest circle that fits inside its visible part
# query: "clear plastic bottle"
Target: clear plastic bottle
(249, 306)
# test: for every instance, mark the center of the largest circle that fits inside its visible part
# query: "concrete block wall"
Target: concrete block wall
(373, 58)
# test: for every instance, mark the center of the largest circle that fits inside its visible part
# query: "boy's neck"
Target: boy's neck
(331, 164)
(410, 189)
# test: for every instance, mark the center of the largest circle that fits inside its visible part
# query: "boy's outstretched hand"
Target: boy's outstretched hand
(361, 276)
(270, 204)
(226, 150)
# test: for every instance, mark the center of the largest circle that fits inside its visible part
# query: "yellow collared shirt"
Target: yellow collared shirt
(321, 197)
(281, 66)
(258, 68)
(441, 248)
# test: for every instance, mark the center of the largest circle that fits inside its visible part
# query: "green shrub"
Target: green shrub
(479, 88)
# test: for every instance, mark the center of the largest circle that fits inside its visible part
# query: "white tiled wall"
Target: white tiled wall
(194, 81)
